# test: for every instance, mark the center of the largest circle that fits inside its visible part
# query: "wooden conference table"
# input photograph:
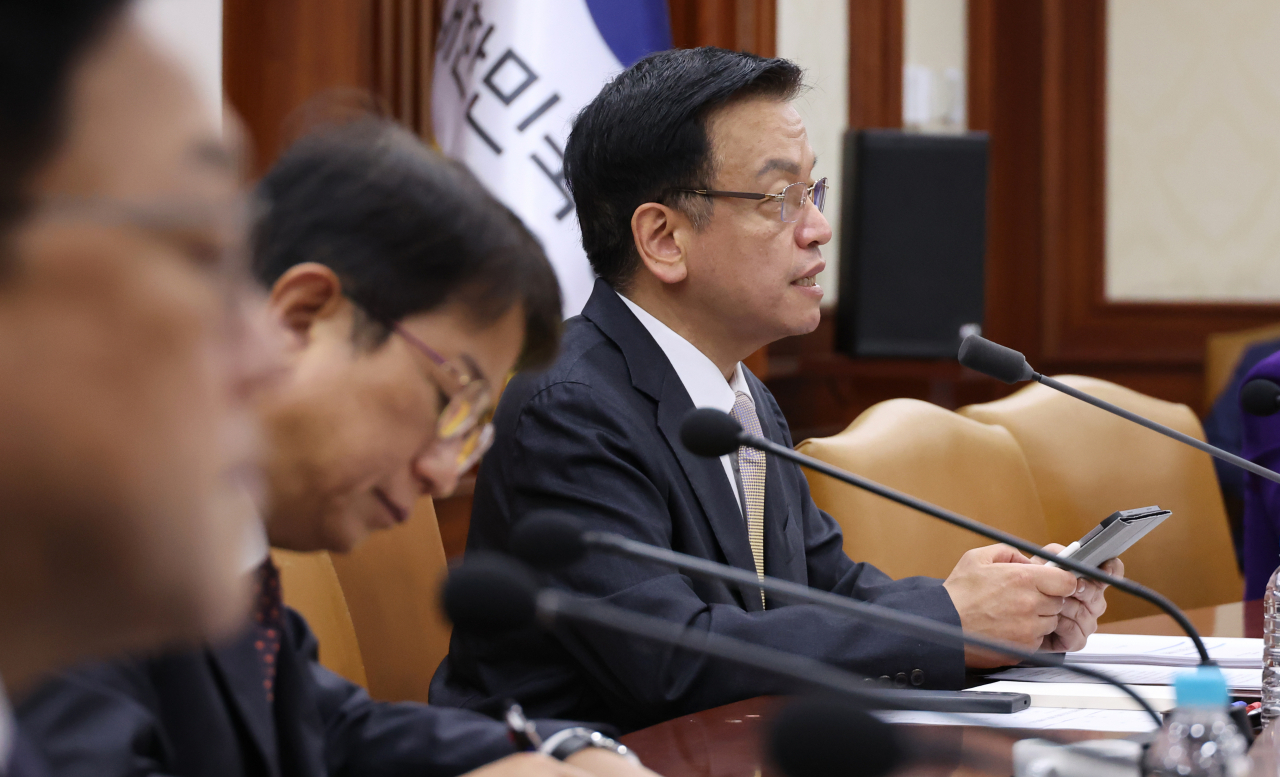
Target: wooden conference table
(726, 741)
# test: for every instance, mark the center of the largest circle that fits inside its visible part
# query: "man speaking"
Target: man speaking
(701, 214)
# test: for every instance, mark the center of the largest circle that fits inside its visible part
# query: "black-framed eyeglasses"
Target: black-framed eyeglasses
(793, 198)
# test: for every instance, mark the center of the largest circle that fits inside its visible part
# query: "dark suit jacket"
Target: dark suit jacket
(598, 436)
(203, 714)
(24, 761)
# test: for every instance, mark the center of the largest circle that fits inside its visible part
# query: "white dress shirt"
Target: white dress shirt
(6, 730)
(701, 377)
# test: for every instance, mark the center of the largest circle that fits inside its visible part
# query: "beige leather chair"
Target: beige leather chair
(936, 455)
(1088, 463)
(392, 585)
(310, 586)
(1222, 353)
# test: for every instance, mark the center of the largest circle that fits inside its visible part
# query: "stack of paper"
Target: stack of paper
(1086, 695)
(1241, 682)
(1144, 650)
(1124, 721)
(1148, 663)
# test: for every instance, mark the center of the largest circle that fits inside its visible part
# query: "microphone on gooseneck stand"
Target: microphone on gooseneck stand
(490, 594)
(1260, 397)
(712, 433)
(549, 540)
(1007, 365)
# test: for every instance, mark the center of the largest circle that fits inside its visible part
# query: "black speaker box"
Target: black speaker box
(913, 243)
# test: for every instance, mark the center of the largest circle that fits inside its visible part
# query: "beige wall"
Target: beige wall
(815, 34)
(191, 30)
(934, 52)
(1193, 150)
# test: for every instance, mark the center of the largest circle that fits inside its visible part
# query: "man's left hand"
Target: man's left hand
(1080, 613)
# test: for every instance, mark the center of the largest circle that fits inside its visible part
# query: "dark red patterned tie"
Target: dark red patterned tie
(268, 623)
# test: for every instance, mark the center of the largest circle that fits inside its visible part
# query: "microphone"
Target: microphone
(707, 429)
(548, 540)
(491, 593)
(496, 593)
(1260, 397)
(820, 737)
(1007, 365)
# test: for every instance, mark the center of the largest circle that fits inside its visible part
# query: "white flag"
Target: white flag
(510, 76)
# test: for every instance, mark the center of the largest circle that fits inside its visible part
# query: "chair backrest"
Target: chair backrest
(1222, 352)
(936, 455)
(310, 585)
(1088, 463)
(392, 585)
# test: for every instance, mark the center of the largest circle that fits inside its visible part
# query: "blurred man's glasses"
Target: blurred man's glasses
(463, 430)
(212, 235)
(793, 198)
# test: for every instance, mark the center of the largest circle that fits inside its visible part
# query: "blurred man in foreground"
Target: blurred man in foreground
(128, 358)
(701, 212)
(408, 294)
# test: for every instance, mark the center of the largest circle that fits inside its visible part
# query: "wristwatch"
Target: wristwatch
(565, 743)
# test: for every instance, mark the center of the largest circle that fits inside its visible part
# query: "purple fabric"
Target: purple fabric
(1260, 440)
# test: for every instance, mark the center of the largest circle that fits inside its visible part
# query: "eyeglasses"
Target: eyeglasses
(793, 197)
(463, 430)
(212, 235)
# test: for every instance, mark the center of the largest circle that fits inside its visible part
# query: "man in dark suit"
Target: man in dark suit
(406, 293)
(129, 362)
(693, 182)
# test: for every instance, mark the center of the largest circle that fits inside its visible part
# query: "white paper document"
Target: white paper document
(1239, 681)
(1085, 695)
(1035, 718)
(1146, 650)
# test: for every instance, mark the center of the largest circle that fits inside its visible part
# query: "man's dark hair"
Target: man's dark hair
(646, 133)
(41, 42)
(406, 231)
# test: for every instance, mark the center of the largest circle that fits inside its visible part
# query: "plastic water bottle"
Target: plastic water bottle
(1271, 650)
(1199, 738)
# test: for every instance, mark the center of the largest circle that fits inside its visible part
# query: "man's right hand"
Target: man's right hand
(1000, 594)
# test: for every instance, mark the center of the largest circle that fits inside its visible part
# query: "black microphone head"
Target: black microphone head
(1260, 397)
(548, 539)
(490, 594)
(710, 432)
(994, 360)
(832, 737)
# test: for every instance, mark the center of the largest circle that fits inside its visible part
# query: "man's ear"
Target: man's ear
(305, 294)
(660, 235)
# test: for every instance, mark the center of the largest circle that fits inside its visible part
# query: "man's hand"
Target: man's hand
(530, 765)
(603, 763)
(1080, 613)
(1000, 594)
(589, 762)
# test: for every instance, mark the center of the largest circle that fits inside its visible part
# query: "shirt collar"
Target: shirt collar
(256, 546)
(701, 377)
(6, 730)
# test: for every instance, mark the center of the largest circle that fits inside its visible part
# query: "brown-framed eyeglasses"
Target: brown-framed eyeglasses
(463, 430)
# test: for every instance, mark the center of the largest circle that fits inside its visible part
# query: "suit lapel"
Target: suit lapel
(297, 716)
(652, 374)
(712, 488)
(237, 663)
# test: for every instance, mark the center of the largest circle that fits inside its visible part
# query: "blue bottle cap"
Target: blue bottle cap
(1203, 687)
